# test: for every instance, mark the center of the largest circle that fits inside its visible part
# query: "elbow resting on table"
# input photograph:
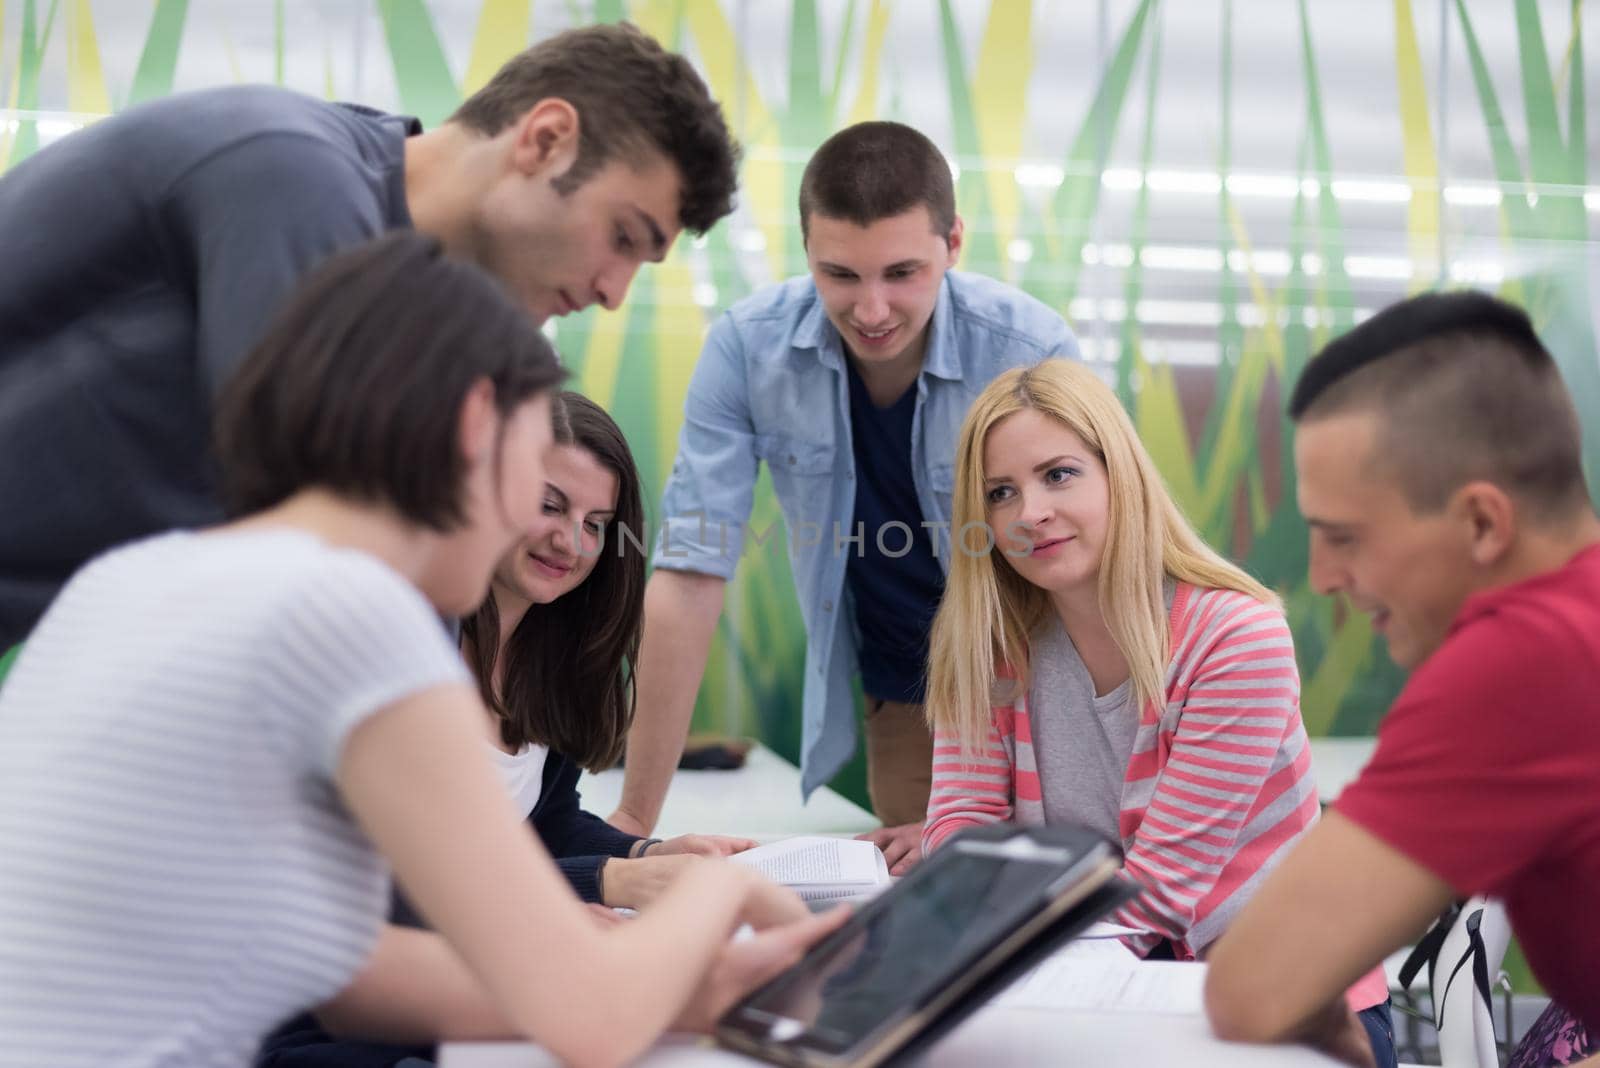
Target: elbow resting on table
(1242, 1008)
(602, 1047)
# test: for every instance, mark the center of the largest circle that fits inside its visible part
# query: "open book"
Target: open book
(821, 869)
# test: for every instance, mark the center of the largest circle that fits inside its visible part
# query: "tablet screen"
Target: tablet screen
(889, 961)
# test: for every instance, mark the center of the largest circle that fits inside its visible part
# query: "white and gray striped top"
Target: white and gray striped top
(177, 870)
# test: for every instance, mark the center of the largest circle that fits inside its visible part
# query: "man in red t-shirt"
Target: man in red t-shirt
(1438, 460)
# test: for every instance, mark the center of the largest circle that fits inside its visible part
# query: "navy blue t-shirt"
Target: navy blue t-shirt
(895, 579)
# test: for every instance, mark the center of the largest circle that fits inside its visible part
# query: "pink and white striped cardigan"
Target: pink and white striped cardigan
(1218, 788)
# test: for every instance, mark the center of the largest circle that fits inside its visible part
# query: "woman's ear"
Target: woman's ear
(478, 424)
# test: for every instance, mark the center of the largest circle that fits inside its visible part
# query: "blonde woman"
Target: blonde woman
(1093, 661)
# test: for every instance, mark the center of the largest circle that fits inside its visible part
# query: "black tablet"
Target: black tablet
(931, 949)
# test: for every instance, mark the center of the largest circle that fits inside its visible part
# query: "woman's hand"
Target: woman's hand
(700, 845)
(746, 964)
(633, 884)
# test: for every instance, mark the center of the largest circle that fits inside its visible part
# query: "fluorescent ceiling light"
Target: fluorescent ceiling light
(751, 239)
(1478, 272)
(1087, 309)
(1396, 268)
(1179, 313)
(1110, 255)
(1487, 196)
(1020, 250)
(1378, 192)
(1280, 186)
(1175, 258)
(1263, 261)
(1184, 181)
(1121, 178)
(705, 294)
(1040, 175)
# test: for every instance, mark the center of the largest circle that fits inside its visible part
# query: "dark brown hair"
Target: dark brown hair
(357, 385)
(568, 679)
(1465, 390)
(875, 170)
(632, 96)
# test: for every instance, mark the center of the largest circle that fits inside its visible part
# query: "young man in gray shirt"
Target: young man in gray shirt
(145, 255)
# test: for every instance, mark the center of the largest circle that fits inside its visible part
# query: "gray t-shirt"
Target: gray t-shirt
(1082, 742)
(144, 256)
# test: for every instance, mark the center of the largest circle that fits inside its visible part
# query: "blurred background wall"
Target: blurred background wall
(1207, 189)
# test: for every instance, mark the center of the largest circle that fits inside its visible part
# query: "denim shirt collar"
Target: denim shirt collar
(815, 331)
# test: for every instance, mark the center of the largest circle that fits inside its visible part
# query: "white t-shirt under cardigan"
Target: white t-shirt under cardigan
(179, 872)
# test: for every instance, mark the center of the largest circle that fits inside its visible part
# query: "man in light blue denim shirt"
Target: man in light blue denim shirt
(851, 384)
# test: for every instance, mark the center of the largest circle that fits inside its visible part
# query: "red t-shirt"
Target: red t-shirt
(1487, 769)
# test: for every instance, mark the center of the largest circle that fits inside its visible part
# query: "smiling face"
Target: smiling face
(505, 458)
(1410, 572)
(565, 542)
(562, 252)
(879, 283)
(1048, 501)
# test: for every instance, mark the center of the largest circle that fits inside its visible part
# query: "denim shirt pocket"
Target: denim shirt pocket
(794, 456)
(802, 475)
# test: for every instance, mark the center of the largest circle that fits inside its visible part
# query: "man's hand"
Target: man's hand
(902, 845)
(628, 823)
(1339, 1033)
(701, 845)
(746, 964)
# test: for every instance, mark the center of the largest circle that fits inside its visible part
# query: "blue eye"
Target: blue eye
(998, 494)
(1058, 475)
(551, 507)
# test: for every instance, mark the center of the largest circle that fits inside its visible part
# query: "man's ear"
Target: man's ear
(1488, 517)
(479, 424)
(957, 231)
(546, 138)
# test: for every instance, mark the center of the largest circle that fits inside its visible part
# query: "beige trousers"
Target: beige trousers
(899, 761)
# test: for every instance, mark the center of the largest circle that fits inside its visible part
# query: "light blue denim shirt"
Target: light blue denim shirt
(771, 386)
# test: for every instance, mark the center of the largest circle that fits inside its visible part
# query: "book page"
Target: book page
(811, 860)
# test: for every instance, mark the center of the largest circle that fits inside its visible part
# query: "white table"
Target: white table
(760, 800)
(993, 1038)
(1335, 762)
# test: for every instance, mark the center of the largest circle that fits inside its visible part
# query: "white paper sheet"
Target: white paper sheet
(1102, 984)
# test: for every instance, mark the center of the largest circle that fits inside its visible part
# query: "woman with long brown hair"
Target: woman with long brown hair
(553, 650)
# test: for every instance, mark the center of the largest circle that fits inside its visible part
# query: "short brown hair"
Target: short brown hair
(1465, 390)
(875, 170)
(357, 385)
(632, 96)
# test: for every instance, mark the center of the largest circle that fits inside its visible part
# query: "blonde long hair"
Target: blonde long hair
(988, 610)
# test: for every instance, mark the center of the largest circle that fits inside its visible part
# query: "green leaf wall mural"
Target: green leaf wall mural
(1200, 280)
